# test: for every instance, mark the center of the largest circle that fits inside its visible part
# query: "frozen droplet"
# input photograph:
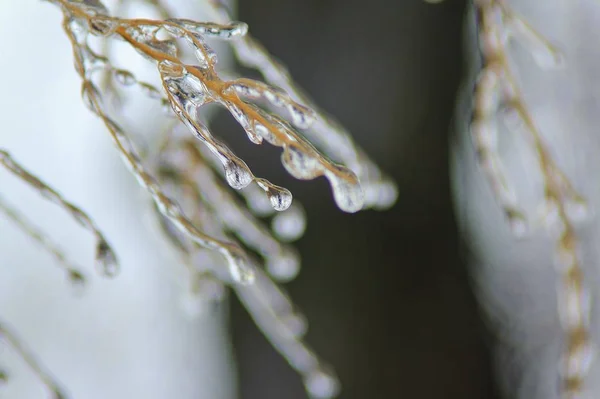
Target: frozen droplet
(77, 281)
(280, 198)
(124, 77)
(321, 384)
(253, 134)
(302, 117)
(106, 259)
(239, 270)
(300, 164)
(284, 267)
(290, 224)
(347, 191)
(245, 122)
(237, 174)
(266, 134)
(236, 29)
(102, 26)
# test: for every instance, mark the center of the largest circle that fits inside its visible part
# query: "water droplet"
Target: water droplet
(321, 384)
(284, 267)
(347, 191)
(237, 173)
(245, 122)
(124, 77)
(280, 198)
(237, 29)
(290, 224)
(106, 259)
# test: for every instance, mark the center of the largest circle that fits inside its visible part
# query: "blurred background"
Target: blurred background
(386, 293)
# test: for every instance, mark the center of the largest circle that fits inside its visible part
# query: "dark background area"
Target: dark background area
(386, 293)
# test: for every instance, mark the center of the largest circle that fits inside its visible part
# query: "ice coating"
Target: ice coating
(528, 152)
(187, 165)
(105, 256)
(236, 262)
(266, 113)
(324, 131)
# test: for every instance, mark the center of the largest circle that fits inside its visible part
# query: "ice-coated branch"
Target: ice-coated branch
(183, 168)
(105, 256)
(77, 34)
(328, 134)
(201, 84)
(497, 93)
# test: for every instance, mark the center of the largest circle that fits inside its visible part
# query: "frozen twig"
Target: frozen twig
(105, 256)
(325, 132)
(497, 88)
